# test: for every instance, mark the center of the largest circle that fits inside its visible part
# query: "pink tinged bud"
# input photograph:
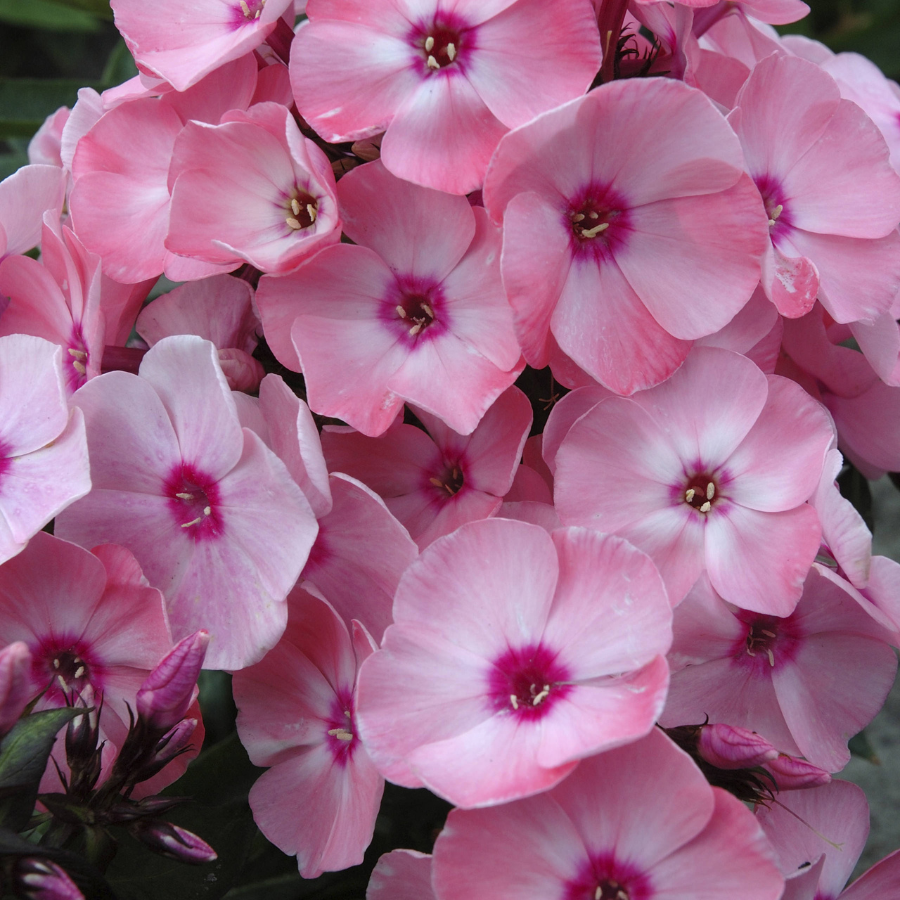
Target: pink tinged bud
(791, 774)
(168, 690)
(175, 741)
(728, 747)
(15, 683)
(177, 843)
(40, 879)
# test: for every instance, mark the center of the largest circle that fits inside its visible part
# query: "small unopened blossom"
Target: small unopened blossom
(173, 841)
(42, 879)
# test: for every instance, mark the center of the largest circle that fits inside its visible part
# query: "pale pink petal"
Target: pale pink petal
(706, 247)
(24, 197)
(882, 880)
(879, 340)
(184, 372)
(442, 136)
(565, 413)
(637, 354)
(759, 560)
(359, 555)
(413, 229)
(790, 282)
(779, 463)
(401, 875)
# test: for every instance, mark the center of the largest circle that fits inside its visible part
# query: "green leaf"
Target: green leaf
(26, 102)
(23, 758)
(98, 8)
(219, 780)
(46, 14)
(119, 65)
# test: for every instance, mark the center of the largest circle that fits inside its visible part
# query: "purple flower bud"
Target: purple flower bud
(728, 747)
(15, 684)
(175, 740)
(40, 879)
(168, 690)
(791, 774)
(177, 843)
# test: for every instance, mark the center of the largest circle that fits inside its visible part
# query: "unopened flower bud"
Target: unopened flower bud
(791, 774)
(15, 684)
(169, 689)
(40, 879)
(728, 747)
(177, 843)
(176, 740)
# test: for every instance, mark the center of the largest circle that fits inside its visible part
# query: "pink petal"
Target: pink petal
(760, 559)
(401, 875)
(442, 136)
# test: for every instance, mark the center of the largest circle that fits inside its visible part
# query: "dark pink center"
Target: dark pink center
(443, 43)
(701, 492)
(194, 502)
(5, 460)
(448, 481)
(776, 206)
(246, 12)
(768, 641)
(598, 220)
(603, 878)
(341, 729)
(528, 681)
(66, 665)
(416, 309)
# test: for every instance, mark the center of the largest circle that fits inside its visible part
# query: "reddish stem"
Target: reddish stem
(122, 359)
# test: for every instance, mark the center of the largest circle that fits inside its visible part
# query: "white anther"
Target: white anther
(78, 354)
(295, 207)
(598, 893)
(188, 524)
(593, 232)
(593, 214)
(207, 510)
(400, 311)
(245, 9)
(62, 683)
(341, 734)
(706, 507)
(79, 672)
(436, 482)
(514, 700)
(185, 496)
(79, 367)
(451, 52)
(55, 663)
(578, 217)
(541, 696)
(429, 44)
(750, 652)
(428, 310)
(257, 14)
(293, 223)
(689, 495)
(312, 212)
(415, 329)
(347, 713)
(710, 491)
(771, 656)
(621, 895)
(432, 63)
(775, 214)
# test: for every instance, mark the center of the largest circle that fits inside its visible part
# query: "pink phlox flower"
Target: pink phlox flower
(415, 312)
(401, 875)
(210, 512)
(638, 822)
(665, 243)
(514, 654)
(831, 197)
(91, 622)
(818, 836)
(297, 713)
(59, 299)
(777, 675)
(709, 471)
(183, 44)
(43, 449)
(121, 196)
(219, 309)
(433, 481)
(24, 197)
(446, 80)
(251, 189)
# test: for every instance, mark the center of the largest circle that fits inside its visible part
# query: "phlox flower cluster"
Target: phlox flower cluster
(490, 437)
